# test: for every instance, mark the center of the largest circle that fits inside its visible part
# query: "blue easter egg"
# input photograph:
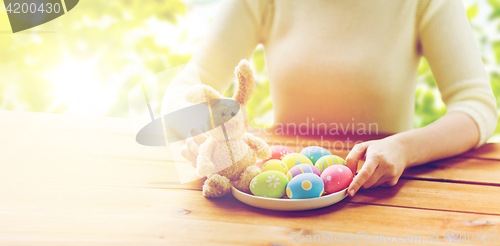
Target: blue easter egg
(314, 153)
(305, 185)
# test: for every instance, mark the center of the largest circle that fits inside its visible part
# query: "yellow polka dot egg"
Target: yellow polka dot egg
(305, 185)
(276, 165)
(294, 159)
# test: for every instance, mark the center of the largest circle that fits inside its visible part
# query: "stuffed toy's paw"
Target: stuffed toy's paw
(243, 184)
(216, 186)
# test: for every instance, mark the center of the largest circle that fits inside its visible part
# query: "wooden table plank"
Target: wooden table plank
(157, 171)
(126, 213)
(487, 151)
(114, 137)
(458, 169)
(91, 171)
(95, 207)
(163, 175)
(111, 171)
(435, 196)
(42, 197)
(86, 181)
(129, 229)
(22, 126)
(342, 143)
(161, 230)
(72, 135)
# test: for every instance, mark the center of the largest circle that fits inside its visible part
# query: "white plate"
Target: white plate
(289, 204)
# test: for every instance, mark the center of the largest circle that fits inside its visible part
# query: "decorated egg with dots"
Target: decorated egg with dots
(336, 178)
(328, 160)
(278, 152)
(294, 159)
(314, 153)
(269, 184)
(276, 165)
(305, 185)
(301, 168)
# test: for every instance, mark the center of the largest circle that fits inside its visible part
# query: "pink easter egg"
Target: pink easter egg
(278, 152)
(336, 178)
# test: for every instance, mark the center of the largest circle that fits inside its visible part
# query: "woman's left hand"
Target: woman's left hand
(385, 161)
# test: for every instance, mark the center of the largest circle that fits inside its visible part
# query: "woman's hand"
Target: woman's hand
(385, 161)
(191, 148)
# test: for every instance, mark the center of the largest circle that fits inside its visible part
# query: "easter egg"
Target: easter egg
(276, 165)
(305, 185)
(314, 153)
(269, 184)
(278, 152)
(301, 168)
(328, 160)
(294, 159)
(336, 178)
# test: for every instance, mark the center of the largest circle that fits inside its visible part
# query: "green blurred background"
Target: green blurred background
(87, 61)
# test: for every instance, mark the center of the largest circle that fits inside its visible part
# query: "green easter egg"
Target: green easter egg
(269, 184)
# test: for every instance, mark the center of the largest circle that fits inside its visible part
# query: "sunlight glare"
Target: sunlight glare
(75, 85)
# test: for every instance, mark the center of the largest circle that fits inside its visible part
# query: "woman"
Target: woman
(339, 60)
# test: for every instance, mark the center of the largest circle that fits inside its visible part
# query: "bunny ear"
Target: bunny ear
(201, 93)
(246, 83)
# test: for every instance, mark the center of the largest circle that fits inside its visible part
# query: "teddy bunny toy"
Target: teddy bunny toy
(228, 155)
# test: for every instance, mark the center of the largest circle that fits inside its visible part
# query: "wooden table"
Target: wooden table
(71, 180)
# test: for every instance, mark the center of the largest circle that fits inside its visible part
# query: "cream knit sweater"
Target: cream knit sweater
(349, 61)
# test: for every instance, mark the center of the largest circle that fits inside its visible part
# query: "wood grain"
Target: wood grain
(74, 229)
(121, 212)
(435, 196)
(458, 169)
(407, 193)
(74, 180)
(487, 151)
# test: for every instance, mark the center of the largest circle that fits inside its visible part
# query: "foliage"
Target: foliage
(112, 45)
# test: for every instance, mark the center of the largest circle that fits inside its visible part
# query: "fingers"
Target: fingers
(385, 183)
(375, 172)
(375, 178)
(383, 165)
(355, 155)
(364, 175)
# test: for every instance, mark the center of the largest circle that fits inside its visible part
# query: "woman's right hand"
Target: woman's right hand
(191, 148)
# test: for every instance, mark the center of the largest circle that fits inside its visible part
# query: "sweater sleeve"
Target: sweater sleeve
(447, 42)
(233, 35)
